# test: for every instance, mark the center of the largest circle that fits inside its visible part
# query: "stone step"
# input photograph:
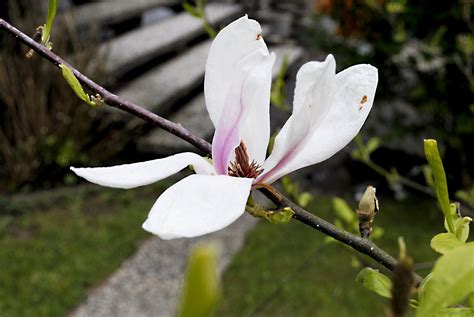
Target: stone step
(194, 115)
(158, 88)
(138, 47)
(103, 13)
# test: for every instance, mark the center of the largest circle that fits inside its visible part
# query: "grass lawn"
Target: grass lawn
(61, 246)
(287, 270)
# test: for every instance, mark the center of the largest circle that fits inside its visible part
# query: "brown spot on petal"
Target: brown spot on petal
(259, 37)
(362, 101)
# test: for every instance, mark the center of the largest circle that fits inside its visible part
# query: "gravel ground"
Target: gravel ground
(149, 283)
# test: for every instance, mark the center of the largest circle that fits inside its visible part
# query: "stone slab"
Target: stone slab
(159, 87)
(134, 48)
(112, 12)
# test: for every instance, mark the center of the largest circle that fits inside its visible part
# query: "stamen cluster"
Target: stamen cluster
(242, 167)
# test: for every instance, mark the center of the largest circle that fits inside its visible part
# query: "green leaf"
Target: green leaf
(395, 7)
(361, 153)
(289, 187)
(377, 233)
(372, 144)
(277, 94)
(75, 85)
(201, 285)
(466, 195)
(452, 280)
(456, 312)
(304, 199)
(281, 217)
(441, 185)
(52, 9)
(192, 10)
(399, 35)
(462, 228)
(374, 5)
(422, 287)
(343, 211)
(445, 242)
(375, 281)
(428, 174)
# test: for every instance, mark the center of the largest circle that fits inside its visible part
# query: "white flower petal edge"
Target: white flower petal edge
(210, 203)
(315, 84)
(231, 45)
(350, 105)
(143, 173)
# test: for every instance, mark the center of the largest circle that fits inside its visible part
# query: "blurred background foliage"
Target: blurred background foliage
(424, 52)
(44, 128)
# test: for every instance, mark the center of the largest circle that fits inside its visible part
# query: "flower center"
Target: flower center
(242, 167)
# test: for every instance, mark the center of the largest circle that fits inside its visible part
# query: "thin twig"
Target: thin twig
(362, 245)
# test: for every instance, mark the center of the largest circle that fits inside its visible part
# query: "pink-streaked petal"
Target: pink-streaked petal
(350, 107)
(197, 205)
(255, 128)
(143, 173)
(233, 43)
(315, 85)
(247, 98)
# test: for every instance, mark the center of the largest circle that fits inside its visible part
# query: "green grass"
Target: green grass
(287, 270)
(58, 248)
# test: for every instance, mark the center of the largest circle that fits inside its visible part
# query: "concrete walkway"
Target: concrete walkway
(149, 283)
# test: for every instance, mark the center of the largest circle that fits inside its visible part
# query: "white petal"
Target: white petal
(246, 111)
(143, 173)
(197, 205)
(350, 107)
(315, 85)
(255, 128)
(233, 43)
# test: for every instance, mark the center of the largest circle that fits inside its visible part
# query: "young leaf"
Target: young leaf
(304, 199)
(462, 228)
(375, 281)
(52, 9)
(282, 217)
(377, 233)
(373, 144)
(277, 95)
(452, 280)
(343, 211)
(201, 285)
(441, 186)
(75, 85)
(445, 242)
(428, 174)
(422, 287)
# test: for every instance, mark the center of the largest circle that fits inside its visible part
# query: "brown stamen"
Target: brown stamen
(242, 167)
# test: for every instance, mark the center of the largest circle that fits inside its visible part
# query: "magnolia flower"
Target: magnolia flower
(328, 111)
